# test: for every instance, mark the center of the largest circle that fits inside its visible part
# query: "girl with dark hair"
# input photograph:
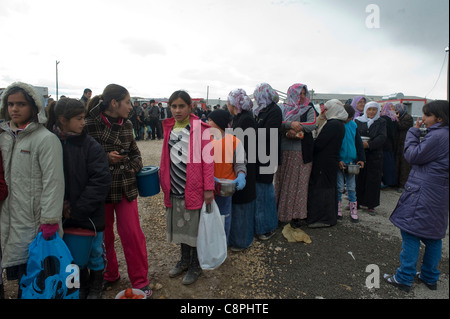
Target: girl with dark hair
(87, 182)
(33, 166)
(108, 123)
(187, 180)
(422, 210)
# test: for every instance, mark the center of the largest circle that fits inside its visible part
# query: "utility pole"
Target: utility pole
(57, 62)
(448, 72)
(207, 95)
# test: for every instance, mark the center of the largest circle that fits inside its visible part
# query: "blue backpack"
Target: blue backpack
(51, 273)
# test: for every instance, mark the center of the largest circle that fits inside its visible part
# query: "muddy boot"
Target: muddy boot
(183, 264)
(194, 270)
(95, 284)
(84, 283)
(339, 215)
(354, 212)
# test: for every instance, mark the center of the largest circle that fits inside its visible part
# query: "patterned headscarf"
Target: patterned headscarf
(292, 109)
(387, 111)
(401, 109)
(240, 100)
(264, 95)
(355, 102)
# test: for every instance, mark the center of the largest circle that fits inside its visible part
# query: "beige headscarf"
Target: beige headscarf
(335, 110)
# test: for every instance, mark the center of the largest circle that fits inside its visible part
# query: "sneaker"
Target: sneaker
(391, 280)
(236, 249)
(430, 286)
(266, 236)
(371, 211)
(148, 292)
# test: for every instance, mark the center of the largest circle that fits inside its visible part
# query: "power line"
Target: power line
(440, 72)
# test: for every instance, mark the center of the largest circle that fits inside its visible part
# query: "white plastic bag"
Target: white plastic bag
(211, 239)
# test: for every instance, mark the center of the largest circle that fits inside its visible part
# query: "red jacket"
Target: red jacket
(200, 169)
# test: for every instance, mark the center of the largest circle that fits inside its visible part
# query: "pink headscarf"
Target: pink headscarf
(355, 102)
(240, 100)
(292, 109)
(387, 111)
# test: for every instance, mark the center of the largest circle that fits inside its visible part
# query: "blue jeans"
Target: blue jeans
(409, 256)
(350, 180)
(224, 204)
(87, 251)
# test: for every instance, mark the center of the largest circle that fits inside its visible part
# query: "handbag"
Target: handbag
(211, 239)
(50, 273)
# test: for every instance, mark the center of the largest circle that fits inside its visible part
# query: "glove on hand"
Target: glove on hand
(240, 181)
(48, 230)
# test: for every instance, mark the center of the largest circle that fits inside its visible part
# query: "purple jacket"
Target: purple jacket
(423, 208)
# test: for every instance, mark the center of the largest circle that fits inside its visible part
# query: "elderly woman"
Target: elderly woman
(244, 201)
(404, 123)
(268, 120)
(368, 182)
(322, 194)
(292, 177)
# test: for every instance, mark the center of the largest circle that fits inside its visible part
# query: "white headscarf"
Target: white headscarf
(364, 119)
(335, 110)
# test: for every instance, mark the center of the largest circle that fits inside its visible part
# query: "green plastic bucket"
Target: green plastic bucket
(148, 181)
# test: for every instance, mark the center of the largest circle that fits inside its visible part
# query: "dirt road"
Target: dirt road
(335, 265)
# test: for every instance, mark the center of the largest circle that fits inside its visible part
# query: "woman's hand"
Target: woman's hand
(360, 163)
(208, 196)
(419, 123)
(114, 157)
(296, 126)
(365, 144)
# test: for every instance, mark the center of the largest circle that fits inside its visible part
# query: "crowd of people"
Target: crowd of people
(70, 168)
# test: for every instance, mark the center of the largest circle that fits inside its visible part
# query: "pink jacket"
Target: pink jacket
(200, 169)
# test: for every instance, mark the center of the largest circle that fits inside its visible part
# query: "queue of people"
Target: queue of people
(79, 166)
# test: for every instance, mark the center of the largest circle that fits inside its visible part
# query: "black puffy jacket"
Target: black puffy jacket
(87, 182)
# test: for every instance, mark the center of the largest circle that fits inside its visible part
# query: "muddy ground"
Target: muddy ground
(333, 266)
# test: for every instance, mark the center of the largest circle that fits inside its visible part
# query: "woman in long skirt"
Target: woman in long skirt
(292, 177)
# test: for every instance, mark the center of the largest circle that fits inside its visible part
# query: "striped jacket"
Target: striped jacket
(116, 138)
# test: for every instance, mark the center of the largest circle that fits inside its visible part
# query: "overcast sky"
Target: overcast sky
(156, 47)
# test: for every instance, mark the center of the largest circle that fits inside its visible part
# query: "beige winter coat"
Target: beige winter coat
(33, 165)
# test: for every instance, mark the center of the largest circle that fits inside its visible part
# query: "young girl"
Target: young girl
(108, 123)
(422, 210)
(368, 182)
(229, 160)
(87, 180)
(352, 151)
(187, 182)
(33, 166)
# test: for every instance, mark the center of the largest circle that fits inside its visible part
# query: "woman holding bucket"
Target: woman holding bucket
(187, 182)
(107, 122)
